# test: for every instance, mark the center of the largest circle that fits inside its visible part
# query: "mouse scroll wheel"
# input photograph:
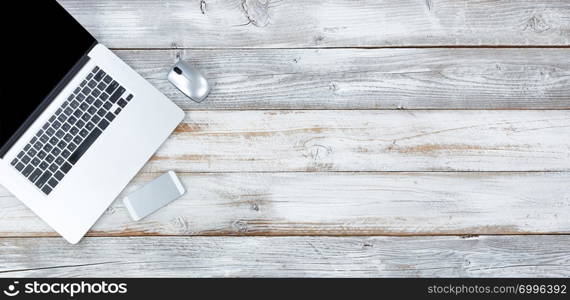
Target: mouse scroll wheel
(177, 70)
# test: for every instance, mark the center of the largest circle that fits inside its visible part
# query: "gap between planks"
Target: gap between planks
(349, 47)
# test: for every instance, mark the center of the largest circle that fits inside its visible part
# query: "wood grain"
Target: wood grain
(335, 204)
(279, 141)
(486, 256)
(368, 78)
(340, 23)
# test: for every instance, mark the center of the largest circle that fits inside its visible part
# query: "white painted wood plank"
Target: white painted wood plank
(340, 23)
(368, 78)
(276, 141)
(336, 204)
(494, 256)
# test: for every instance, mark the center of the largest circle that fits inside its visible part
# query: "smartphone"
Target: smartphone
(154, 195)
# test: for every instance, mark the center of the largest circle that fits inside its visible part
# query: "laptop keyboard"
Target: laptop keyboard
(71, 130)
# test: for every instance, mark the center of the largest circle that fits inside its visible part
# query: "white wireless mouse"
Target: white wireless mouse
(189, 81)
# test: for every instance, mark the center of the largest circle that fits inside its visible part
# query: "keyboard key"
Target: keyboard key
(53, 141)
(44, 165)
(95, 93)
(62, 118)
(95, 119)
(51, 119)
(110, 117)
(89, 76)
(112, 87)
(101, 87)
(59, 160)
(77, 90)
(107, 79)
(101, 112)
(43, 179)
(122, 103)
(71, 147)
(90, 126)
(38, 146)
(65, 153)
(58, 175)
(26, 159)
(117, 94)
(129, 97)
(39, 133)
(118, 110)
(46, 190)
(104, 96)
(84, 106)
(83, 83)
(20, 166)
(68, 137)
(77, 140)
(32, 152)
(52, 182)
(95, 70)
(50, 132)
(92, 110)
(46, 126)
(72, 120)
(21, 154)
(83, 133)
(60, 132)
(56, 124)
(100, 75)
(53, 168)
(35, 175)
(28, 146)
(74, 131)
(80, 97)
(35, 162)
(65, 127)
(85, 118)
(90, 99)
(98, 103)
(78, 112)
(92, 84)
(34, 139)
(49, 158)
(27, 170)
(48, 147)
(62, 144)
(14, 162)
(86, 90)
(65, 168)
(103, 124)
(85, 146)
(44, 138)
(81, 123)
(58, 111)
(74, 104)
(107, 105)
(55, 151)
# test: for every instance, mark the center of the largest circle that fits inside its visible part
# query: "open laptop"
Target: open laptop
(76, 123)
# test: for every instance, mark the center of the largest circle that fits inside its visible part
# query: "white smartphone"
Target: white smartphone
(154, 195)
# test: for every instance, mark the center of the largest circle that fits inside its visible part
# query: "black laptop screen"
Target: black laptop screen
(41, 43)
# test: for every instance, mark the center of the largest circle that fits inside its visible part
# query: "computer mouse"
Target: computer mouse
(189, 81)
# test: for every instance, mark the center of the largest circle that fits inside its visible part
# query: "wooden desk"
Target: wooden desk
(341, 138)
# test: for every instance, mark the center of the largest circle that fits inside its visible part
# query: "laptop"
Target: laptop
(76, 123)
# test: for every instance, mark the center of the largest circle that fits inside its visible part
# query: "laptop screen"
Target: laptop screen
(41, 43)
